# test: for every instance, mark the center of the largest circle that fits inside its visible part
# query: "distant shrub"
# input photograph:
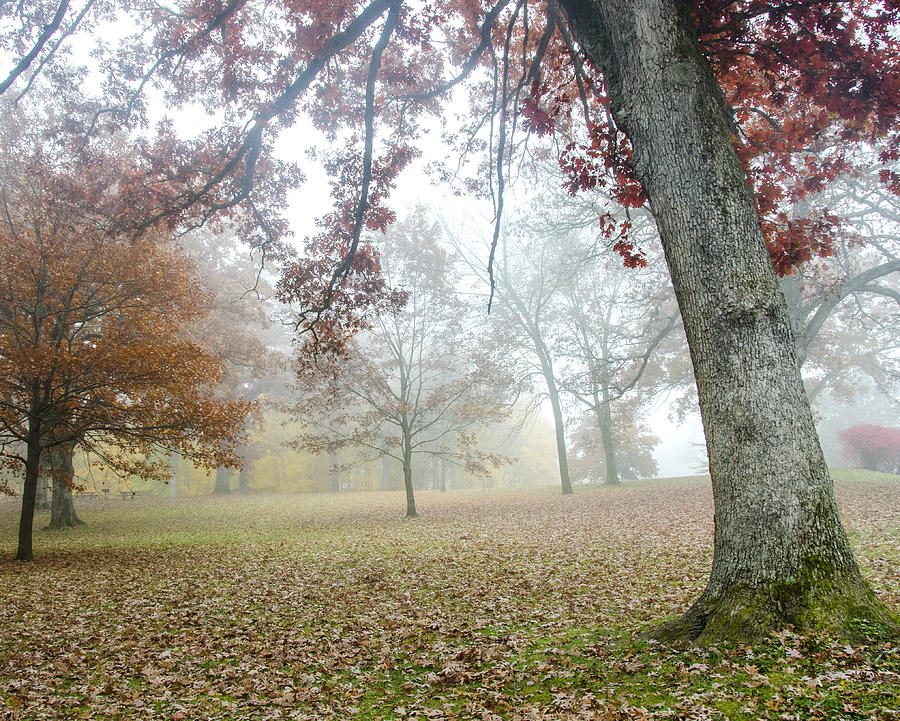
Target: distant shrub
(873, 447)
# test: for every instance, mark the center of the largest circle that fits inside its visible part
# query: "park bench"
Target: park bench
(129, 494)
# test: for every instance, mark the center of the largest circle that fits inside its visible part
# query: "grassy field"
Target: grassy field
(499, 605)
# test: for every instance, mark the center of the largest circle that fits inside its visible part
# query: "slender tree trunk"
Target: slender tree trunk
(223, 481)
(781, 555)
(546, 361)
(62, 510)
(385, 472)
(443, 475)
(333, 472)
(33, 449)
(604, 423)
(407, 474)
(244, 472)
(408, 486)
(24, 551)
(559, 425)
(173, 481)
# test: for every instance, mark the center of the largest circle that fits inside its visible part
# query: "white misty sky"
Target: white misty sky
(682, 448)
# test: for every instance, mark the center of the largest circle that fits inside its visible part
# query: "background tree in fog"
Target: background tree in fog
(529, 278)
(617, 325)
(238, 330)
(632, 439)
(420, 381)
(586, 329)
(872, 447)
(845, 307)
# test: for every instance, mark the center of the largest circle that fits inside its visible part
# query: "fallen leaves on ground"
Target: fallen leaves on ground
(518, 606)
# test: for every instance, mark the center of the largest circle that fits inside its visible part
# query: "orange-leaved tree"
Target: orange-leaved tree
(92, 348)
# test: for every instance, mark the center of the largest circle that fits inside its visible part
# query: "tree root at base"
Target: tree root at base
(846, 608)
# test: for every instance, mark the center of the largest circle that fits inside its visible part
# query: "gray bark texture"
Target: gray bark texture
(781, 555)
(62, 467)
(244, 480)
(223, 481)
(42, 495)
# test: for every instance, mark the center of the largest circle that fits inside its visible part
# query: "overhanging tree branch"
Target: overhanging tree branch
(46, 33)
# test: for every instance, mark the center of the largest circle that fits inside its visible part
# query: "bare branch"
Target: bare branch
(47, 32)
(52, 52)
(485, 33)
(344, 267)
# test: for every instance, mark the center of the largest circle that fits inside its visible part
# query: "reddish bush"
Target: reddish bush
(873, 447)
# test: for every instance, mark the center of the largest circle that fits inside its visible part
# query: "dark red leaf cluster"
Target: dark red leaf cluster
(333, 305)
(795, 241)
(535, 118)
(604, 162)
(804, 81)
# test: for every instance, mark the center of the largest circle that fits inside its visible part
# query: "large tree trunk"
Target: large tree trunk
(62, 508)
(781, 555)
(443, 486)
(223, 481)
(42, 495)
